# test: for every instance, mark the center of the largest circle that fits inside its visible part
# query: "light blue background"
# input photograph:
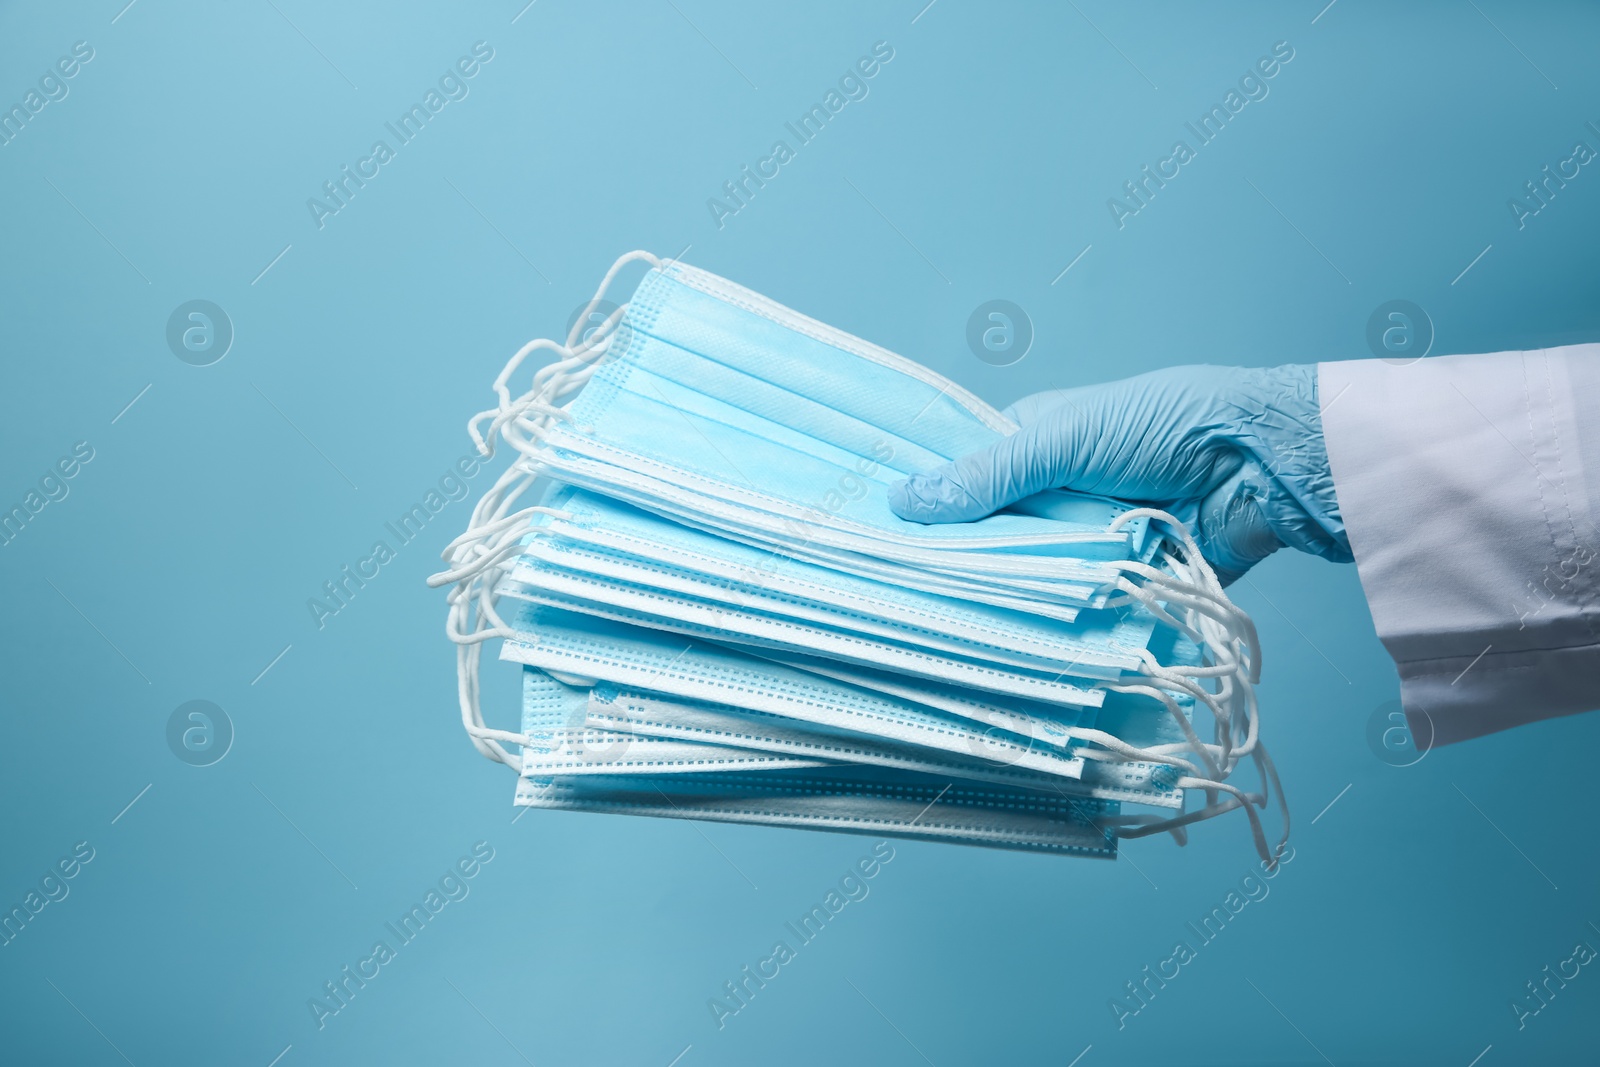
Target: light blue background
(185, 553)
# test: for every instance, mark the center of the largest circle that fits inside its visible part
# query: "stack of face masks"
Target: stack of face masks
(718, 616)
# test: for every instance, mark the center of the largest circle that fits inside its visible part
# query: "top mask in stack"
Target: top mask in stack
(719, 617)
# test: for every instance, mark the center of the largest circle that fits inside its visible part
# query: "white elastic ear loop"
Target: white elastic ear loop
(481, 555)
(605, 283)
(1227, 664)
(551, 382)
(1156, 824)
(1211, 605)
(1221, 709)
(1194, 744)
(1206, 603)
(1229, 637)
(1195, 561)
(467, 663)
(483, 525)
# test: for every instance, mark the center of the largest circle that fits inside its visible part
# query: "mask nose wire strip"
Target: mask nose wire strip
(1186, 594)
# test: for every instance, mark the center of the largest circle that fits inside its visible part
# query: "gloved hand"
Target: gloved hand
(1235, 452)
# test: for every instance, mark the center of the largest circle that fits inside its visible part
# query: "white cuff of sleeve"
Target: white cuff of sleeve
(1469, 487)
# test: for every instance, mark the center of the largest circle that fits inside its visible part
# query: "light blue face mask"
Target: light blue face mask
(623, 769)
(614, 553)
(680, 617)
(1058, 600)
(740, 432)
(597, 524)
(1116, 732)
(604, 729)
(565, 739)
(702, 372)
(737, 376)
(675, 688)
(585, 650)
(882, 804)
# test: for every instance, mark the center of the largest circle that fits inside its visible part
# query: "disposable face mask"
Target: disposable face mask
(1109, 738)
(634, 715)
(740, 373)
(736, 572)
(604, 729)
(687, 330)
(714, 409)
(744, 595)
(583, 650)
(621, 770)
(997, 572)
(1058, 600)
(680, 617)
(906, 806)
(1120, 730)
(1106, 647)
(564, 739)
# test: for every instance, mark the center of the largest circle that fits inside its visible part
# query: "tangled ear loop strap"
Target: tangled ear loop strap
(480, 556)
(1186, 595)
(1231, 648)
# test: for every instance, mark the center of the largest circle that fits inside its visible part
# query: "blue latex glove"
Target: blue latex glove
(1235, 452)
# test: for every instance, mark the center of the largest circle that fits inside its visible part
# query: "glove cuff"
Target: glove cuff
(1283, 432)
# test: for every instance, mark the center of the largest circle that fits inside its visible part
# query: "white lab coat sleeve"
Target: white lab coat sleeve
(1470, 490)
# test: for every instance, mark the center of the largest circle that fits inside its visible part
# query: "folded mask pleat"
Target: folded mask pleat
(718, 616)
